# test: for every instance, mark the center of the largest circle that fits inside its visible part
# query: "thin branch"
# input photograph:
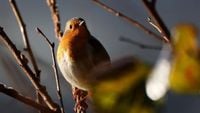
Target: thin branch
(14, 94)
(132, 21)
(153, 3)
(55, 17)
(51, 46)
(26, 42)
(154, 25)
(24, 35)
(143, 46)
(150, 6)
(22, 61)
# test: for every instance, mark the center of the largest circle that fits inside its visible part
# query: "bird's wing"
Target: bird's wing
(99, 52)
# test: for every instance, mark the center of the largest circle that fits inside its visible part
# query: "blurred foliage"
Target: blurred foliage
(122, 89)
(185, 73)
(123, 92)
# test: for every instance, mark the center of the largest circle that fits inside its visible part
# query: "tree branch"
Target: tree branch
(143, 46)
(80, 99)
(51, 46)
(132, 21)
(154, 25)
(55, 17)
(14, 94)
(150, 6)
(26, 43)
(24, 36)
(22, 61)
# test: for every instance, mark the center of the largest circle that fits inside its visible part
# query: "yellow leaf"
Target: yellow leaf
(185, 73)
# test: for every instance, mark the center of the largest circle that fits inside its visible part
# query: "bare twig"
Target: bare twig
(22, 61)
(80, 98)
(150, 6)
(55, 17)
(14, 94)
(52, 45)
(26, 43)
(132, 21)
(154, 25)
(144, 46)
(24, 35)
(153, 2)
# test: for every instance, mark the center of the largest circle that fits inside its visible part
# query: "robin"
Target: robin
(79, 53)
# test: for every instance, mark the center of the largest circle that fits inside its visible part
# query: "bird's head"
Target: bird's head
(76, 25)
(76, 34)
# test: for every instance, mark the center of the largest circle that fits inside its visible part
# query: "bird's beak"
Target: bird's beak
(81, 23)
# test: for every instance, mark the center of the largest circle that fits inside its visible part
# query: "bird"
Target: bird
(79, 53)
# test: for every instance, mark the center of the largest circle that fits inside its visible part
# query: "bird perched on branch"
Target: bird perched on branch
(78, 53)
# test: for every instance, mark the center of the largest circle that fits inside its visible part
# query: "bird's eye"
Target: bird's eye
(70, 26)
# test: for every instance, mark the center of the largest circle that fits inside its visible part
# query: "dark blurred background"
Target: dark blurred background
(104, 26)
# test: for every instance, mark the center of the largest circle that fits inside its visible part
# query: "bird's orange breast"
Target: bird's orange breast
(73, 44)
(74, 60)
